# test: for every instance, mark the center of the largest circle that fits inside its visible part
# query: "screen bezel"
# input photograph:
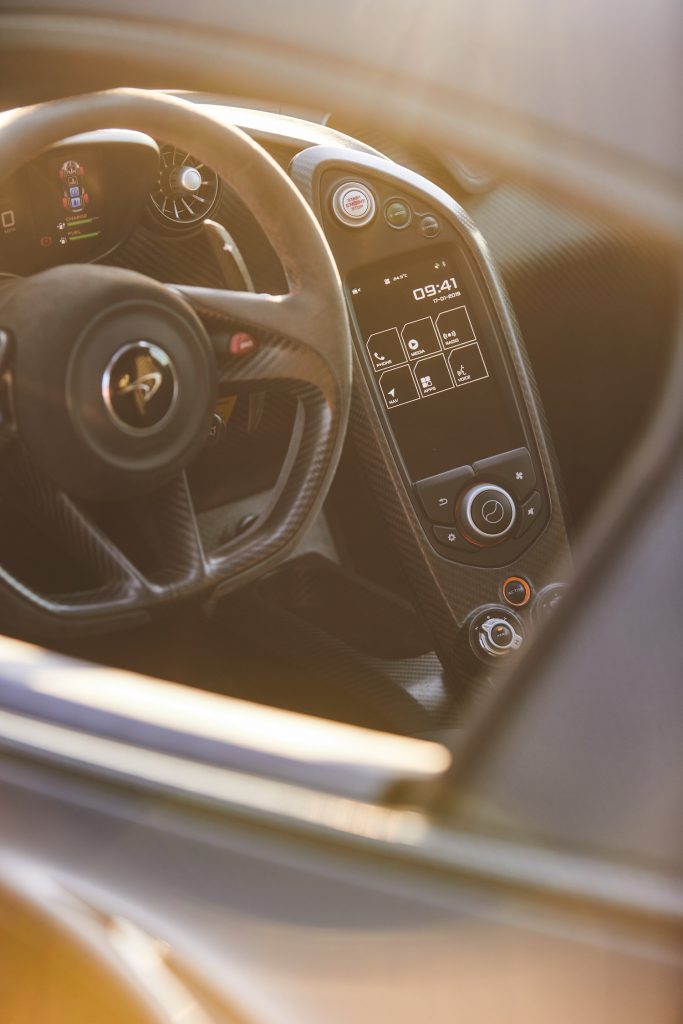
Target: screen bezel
(395, 420)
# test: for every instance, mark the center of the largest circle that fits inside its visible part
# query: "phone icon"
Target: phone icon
(379, 358)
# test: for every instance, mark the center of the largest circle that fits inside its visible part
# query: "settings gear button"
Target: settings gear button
(451, 537)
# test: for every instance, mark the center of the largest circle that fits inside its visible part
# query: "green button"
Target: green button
(398, 214)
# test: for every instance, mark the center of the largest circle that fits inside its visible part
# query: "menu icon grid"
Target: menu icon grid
(424, 357)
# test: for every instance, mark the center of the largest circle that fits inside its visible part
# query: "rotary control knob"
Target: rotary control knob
(487, 513)
(185, 180)
(495, 632)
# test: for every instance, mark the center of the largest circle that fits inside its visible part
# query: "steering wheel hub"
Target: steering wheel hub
(114, 382)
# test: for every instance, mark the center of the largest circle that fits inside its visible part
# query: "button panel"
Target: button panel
(472, 511)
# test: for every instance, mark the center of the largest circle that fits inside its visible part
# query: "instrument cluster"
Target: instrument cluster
(77, 201)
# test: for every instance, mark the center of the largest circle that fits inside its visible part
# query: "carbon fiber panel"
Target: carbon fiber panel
(445, 592)
(185, 255)
(597, 307)
(375, 691)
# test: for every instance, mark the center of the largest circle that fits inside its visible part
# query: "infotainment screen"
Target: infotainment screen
(431, 353)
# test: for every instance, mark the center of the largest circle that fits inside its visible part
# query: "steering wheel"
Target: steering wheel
(110, 379)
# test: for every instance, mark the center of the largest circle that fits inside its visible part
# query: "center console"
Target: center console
(447, 420)
(431, 358)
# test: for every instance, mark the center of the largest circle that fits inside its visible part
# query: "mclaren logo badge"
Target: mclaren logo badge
(139, 387)
(146, 386)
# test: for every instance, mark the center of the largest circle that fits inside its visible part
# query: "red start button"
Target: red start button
(242, 344)
(354, 204)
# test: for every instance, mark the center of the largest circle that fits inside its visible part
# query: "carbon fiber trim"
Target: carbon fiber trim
(186, 255)
(447, 593)
(370, 691)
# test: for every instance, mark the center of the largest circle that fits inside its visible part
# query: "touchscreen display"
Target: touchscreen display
(433, 361)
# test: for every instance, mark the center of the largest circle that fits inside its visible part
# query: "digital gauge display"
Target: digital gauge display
(53, 209)
(66, 200)
(431, 353)
(76, 201)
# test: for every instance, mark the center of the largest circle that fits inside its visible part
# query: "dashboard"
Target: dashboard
(449, 435)
(448, 426)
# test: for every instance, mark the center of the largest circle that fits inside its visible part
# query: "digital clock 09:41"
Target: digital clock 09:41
(428, 291)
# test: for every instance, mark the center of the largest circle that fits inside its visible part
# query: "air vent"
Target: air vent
(187, 190)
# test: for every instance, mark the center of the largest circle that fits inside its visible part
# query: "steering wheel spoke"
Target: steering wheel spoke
(171, 520)
(136, 551)
(247, 311)
(280, 328)
(60, 519)
(156, 536)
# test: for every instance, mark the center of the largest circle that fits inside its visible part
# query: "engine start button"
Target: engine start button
(354, 204)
